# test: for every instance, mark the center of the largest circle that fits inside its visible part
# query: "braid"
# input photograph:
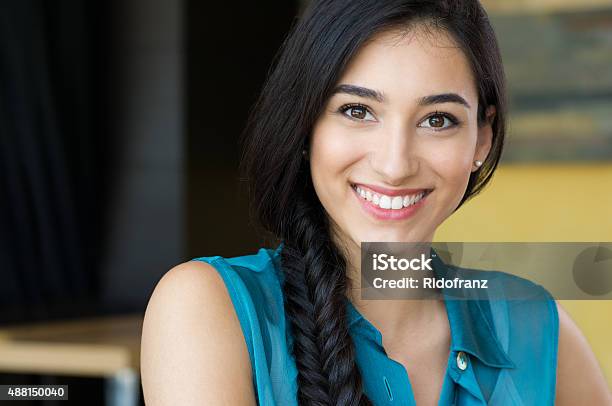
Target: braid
(315, 303)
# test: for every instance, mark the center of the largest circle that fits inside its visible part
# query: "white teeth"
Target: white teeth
(396, 203)
(388, 202)
(385, 202)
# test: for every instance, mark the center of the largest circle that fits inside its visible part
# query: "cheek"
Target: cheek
(453, 163)
(332, 152)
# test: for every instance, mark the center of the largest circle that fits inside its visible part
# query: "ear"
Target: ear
(485, 137)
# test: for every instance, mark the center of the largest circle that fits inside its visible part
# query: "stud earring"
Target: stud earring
(478, 163)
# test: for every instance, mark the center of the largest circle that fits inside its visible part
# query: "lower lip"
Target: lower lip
(389, 214)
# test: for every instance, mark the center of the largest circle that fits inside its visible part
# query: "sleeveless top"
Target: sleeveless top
(503, 352)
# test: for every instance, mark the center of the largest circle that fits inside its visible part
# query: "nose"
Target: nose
(395, 158)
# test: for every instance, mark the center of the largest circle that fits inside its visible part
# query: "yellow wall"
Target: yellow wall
(547, 203)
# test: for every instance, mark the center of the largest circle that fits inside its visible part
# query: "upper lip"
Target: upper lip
(391, 192)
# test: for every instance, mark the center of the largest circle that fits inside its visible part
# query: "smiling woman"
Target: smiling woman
(379, 120)
(379, 128)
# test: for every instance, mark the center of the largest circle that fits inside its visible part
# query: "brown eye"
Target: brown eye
(439, 122)
(357, 112)
(436, 121)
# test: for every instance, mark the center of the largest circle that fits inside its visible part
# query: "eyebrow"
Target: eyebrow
(360, 92)
(380, 97)
(443, 98)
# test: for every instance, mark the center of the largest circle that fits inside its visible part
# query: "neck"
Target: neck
(393, 317)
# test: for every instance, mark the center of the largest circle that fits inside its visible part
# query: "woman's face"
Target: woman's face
(392, 152)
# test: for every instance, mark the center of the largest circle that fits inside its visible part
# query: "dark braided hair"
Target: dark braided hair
(283, 200)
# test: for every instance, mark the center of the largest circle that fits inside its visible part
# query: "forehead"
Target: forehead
(411, 64)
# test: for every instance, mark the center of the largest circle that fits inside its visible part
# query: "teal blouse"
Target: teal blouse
(503, 352)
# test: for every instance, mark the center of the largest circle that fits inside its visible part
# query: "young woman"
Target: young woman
(380, 119)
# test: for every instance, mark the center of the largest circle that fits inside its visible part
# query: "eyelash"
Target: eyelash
(455, 122)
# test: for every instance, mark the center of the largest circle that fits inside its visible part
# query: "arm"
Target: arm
(193, 350)
(579, 378)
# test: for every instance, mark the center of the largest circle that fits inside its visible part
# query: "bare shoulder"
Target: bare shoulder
(193, 349)
(579, 377)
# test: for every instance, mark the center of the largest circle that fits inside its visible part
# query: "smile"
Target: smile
(390, 206)
(390, 202)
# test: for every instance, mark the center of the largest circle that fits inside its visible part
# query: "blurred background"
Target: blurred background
(119, 126)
